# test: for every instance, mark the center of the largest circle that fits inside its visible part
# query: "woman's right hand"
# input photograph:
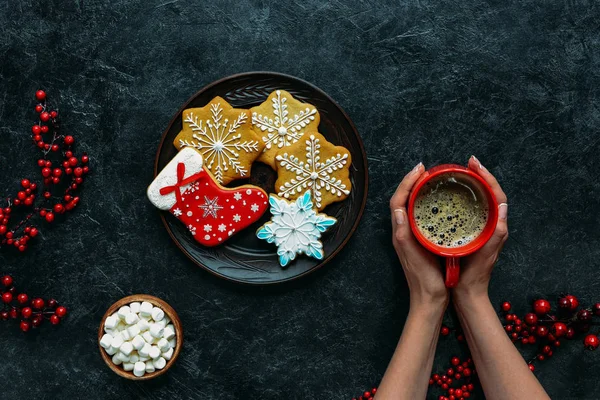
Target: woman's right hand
(476, 269)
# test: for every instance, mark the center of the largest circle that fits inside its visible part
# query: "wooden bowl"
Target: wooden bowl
(169, 312)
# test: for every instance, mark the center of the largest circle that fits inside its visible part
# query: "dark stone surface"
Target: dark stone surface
(515, 83)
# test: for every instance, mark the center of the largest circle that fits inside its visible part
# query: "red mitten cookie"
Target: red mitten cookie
(212, 213)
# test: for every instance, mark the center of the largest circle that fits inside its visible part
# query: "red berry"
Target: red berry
(37, 303)
(460, 337)
(450, 372)
(591, 342)
(54, 147)
(57, 172)
(367, 395)
(559, 329)
(69, 140)
(531, 367)
(26, 312)
(596, 309)
(25, 183)
(36, 129)
(541, 307)
(13, 313)
(564, 303)
(49, 216)
(7, 297)
(445, 331)
(22, 298)
(524, 340)
(33, 232)
(532, 339)
(508, 328)
(36, 321)
(541, 331)
(78, 171)
(573, 302)
(467, 372)
(53, 114)
(506, 306)
(85, 159)
(73, 161)
(40, 95)
(541, 357)
(458, 392)
(53, 303)
(25, 325)
(39, 108)
(61, 311)
(41, 162)
(54, 319)
(45, 116)
(7, 280)
(455, 361)
(45, 128)
(584, 315)
(46, 172)
(59, 208)
(531, 319)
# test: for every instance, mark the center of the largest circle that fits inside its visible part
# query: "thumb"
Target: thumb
(500, 235)
(403, 236)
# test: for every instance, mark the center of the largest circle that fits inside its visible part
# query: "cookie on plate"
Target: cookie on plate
(317, 165)
(223, 135)
(280, 121)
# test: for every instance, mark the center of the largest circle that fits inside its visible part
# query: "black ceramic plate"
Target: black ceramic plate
(245, 258)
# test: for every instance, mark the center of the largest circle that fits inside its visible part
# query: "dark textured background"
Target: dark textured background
(514, 82)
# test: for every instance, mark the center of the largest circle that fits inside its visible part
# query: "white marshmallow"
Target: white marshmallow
(148, 338)
(122, 356)
(117, 341)
(169, 332)
(133, 358)
(139, 368)
(159, 363)
(145, 350)
(138, 342)
(123, 311)
(106, 340)
(156, 330)
(144, 359)
(111, 351)
(116, 360)
(133, 330)
(126, 348)
(162, 323)
(128, 366)
(146, 309)
(125, 335)
(150, 367)
(143, 325)
(120, 326)
(154, 352)
(111, 332)
(163, 345)
(168, 354)
(172, 342)
(131, 319)
(111, 322)
(135, 307)
(167, 319)
(156, 340)
(157, 314)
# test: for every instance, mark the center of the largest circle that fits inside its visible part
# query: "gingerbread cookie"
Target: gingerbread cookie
(295, 228)
(211, 212)
(224, 136)
(281, 121)
(315, 164)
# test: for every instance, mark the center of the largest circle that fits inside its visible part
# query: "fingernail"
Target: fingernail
(417, 167)
(502, 210)
(478, 163)
(400, 216)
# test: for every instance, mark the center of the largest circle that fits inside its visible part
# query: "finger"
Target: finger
(475, 165)
(500, 235)
(399, 198)
(403, 236)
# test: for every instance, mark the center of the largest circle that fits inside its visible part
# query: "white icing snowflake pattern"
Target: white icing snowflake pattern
(295, 228)
(222, 228)
(254, 207)
(192, 229)
(192, 188)
(177, 212)
(218, 141)
(210, 207)
(313, 174)
(237, 218)
(237, 196)
(283, 130)
(207, 228)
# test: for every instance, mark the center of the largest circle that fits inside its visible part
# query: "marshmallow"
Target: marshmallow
(111, 332)
(106, 340)
(145, 350)
(125, 335)
(133, 331)
(156, 340)
(143, 325)
(111, 350)
(117, 341)
(146, 309)
(157, 314)
(144, 359)
(156, 330)
(111, 322)
(150, 367)
(135, 307)
(163, 345)
(123, 311)
(172, 342)
(138, 342)
(116, 360)
(159, 363)
(126, 348)
(131, 319)
(154, 352)
(148, 338)
(128, 366)
(139, 369)
(162, 323)
(120, 326)
(168, 354)
(133, 358)
(122, 356)
(169, 332)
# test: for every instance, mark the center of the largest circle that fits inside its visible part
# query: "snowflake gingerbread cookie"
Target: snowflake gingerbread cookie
(223, 135)
(317, 165)
(281, 120)
(212, 213)
(295, 228)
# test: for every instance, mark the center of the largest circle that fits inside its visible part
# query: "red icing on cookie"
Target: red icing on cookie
(211, 212)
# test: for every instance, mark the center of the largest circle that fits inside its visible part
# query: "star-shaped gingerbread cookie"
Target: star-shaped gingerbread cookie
(281, 121)
(224, 136)
(314, 164)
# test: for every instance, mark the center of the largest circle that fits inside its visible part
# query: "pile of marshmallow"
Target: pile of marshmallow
(139, 337)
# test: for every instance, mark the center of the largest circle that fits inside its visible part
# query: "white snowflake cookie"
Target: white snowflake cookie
(281, 121)
(223, 135)
(295, 228)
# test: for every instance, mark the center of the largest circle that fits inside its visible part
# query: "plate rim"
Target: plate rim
(365, 172)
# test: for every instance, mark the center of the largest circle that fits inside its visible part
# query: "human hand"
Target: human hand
(476, 269)
(421, 268)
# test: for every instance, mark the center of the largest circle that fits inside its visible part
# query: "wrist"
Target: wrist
(429, 305)
(466, 297)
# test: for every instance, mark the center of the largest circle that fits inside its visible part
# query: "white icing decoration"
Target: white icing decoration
(295, 228)
(313, 174)
(168, 177)
(189, 213)
(177, 212)
(192, 229)
(237, 196)
(222, 228)
(207, 228)
(248, 191)
(219, 142)
(254, 207)
(283, 130)
(210, 207)
(237, 218)
(206, 237)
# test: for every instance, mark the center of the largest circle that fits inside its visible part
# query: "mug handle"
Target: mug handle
(452, 271)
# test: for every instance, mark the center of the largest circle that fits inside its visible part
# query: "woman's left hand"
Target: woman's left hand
(421, 268)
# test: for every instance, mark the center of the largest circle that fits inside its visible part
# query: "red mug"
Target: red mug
(453, 254)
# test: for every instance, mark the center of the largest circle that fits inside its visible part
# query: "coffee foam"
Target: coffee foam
(450, 211)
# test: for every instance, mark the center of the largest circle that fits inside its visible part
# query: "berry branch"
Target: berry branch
(32, 313)
(61, 181)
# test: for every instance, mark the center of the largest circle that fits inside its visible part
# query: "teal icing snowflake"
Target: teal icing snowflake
(295, 228)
